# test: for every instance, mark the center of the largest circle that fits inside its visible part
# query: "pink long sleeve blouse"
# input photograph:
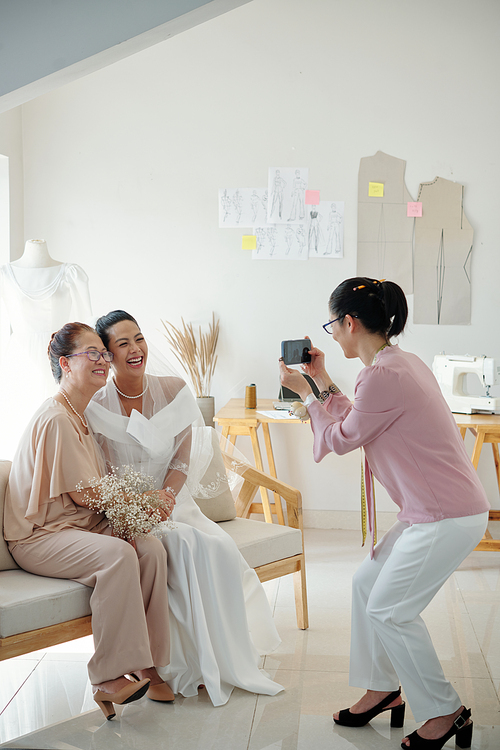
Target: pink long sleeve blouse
(411, 440)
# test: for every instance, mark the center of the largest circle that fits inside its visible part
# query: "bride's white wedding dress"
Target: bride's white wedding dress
(220, 620)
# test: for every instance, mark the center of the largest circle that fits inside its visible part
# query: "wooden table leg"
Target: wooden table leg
(486, 543)
(266, 506)
(478, 444)
(494, 448)
(272, 470)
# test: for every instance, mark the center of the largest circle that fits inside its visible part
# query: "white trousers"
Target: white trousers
(390, 644)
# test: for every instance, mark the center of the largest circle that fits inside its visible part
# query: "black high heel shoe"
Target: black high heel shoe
(461, 729)
(348, 719)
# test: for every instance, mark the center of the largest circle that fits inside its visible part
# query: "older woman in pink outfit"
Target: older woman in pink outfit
(413, 447)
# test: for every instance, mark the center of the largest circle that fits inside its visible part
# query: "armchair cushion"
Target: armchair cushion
(261, 543)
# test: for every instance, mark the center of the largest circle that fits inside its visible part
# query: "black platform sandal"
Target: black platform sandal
(461, 729)
(348, 719)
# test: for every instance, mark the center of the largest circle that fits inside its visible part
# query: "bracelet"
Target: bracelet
(332, 390)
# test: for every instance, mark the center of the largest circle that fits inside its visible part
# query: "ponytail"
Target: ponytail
(380, 305)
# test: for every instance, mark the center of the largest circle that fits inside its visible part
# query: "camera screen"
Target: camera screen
(296, 352)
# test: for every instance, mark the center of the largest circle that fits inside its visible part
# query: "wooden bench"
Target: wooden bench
(37, 612)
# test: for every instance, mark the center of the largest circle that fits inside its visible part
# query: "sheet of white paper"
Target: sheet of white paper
(280, 242)
(325, 230)
(287, 188)
(242, 207)
(277, 414)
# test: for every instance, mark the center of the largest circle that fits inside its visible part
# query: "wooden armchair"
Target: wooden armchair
(272, 549)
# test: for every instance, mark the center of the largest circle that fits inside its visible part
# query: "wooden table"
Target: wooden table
(486, 429)
(236, 420)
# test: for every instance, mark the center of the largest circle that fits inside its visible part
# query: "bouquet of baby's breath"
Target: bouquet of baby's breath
(121, 496)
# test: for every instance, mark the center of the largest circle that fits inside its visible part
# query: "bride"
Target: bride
(220, 619)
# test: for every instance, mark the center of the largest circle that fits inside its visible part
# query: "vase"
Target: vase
(206, 405)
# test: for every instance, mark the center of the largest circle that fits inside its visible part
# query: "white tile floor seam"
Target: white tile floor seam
(46, 700)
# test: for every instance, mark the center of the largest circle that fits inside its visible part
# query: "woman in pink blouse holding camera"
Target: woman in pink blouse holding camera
(413, 447)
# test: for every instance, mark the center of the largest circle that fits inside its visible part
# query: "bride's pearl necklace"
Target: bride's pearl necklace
(82, 420)
(125, 395)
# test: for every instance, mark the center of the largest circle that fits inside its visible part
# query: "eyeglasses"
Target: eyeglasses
(94, 355)
(326, 326)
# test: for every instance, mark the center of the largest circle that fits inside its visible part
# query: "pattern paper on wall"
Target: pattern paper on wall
(384, 229)
(443, 249)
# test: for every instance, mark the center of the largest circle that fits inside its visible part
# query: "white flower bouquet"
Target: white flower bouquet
(129, 501)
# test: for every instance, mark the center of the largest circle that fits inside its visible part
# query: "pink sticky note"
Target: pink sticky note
(312, 197)
(414, 209)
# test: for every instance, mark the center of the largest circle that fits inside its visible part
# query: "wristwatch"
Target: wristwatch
(332, 390)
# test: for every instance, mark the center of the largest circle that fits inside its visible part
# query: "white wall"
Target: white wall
(122, 170)
(12, 211)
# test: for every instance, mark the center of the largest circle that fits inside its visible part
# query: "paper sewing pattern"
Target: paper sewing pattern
(442, 259)
(242, 207)
(287, 187)
(385, 232)
(325, 230)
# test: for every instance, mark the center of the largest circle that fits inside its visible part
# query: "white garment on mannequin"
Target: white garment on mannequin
(390, 644)
(37, 300)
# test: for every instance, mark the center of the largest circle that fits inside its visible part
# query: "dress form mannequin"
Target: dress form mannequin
(38, 295)
(36, 255)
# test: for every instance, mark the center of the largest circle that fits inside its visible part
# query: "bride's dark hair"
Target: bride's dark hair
(105, 322)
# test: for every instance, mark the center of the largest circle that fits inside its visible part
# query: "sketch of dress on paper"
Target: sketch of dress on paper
(226, 204)
(279, 185)
(333, 243)
(313, 235)
(298, 197)
(384, 230)
(443, 250)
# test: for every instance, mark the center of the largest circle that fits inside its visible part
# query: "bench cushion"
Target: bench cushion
(29, 602)
(261, 543)
(7, 562)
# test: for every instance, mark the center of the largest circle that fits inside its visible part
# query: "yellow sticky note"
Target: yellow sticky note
(249, 242)
(375, 189)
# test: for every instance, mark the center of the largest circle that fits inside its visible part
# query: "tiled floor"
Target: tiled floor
(46, 701)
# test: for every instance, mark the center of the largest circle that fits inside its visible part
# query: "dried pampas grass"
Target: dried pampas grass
(195, 354)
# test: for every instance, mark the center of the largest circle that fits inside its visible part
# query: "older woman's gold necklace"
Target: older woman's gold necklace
(82, 420)
(125, 395)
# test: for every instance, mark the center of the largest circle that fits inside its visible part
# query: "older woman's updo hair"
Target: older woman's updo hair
(64, 342)
(105, 322)
(380, 305)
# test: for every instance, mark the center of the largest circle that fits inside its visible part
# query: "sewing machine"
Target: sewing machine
(450, 371)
